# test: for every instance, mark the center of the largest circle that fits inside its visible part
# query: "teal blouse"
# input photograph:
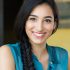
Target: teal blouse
(58, 58)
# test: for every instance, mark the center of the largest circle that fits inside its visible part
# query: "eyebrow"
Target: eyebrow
(44, 17)
(48, 17)
(34, 15)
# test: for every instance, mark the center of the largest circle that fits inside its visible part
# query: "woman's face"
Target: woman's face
(40, 24)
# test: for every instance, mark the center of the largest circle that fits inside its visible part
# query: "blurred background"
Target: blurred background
(62, 36)
(8, 12)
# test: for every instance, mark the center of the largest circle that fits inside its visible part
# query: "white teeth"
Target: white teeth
(38, 34)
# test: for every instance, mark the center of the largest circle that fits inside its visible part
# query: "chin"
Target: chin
(38, 42)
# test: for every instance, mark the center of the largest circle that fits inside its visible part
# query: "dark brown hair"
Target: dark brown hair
(24, 12)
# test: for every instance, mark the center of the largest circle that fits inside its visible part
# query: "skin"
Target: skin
(39, 27)
(40, 24)
(6, 59)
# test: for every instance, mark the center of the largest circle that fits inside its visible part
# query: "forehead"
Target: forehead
(42, 10)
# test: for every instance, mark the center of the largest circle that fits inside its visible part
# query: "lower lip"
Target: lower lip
(38, 37)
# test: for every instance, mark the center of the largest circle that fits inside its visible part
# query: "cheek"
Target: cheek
(28, 26)
(49, 27)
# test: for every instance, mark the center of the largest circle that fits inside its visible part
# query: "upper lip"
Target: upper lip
(40, 32)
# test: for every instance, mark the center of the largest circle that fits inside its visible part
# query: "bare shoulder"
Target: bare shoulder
(4, 48)
(5, 51)
(6, 58)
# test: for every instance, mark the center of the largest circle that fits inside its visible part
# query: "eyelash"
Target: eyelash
(32, 19)
(48, 20)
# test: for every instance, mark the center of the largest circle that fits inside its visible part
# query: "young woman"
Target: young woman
(37, 20)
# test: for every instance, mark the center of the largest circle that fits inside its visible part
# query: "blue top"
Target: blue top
(58, 58)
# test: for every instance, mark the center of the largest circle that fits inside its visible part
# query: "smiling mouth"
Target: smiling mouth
(39, 34)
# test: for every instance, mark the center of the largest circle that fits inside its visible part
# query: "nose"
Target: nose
(39, 26)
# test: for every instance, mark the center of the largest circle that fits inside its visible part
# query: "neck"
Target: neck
(39, 50)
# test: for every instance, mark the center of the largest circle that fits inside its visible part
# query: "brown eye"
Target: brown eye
(32, 19)
(48, 21)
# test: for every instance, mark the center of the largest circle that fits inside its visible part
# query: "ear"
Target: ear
(54, 27)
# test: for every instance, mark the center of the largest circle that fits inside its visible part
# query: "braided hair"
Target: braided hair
(24, 12)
